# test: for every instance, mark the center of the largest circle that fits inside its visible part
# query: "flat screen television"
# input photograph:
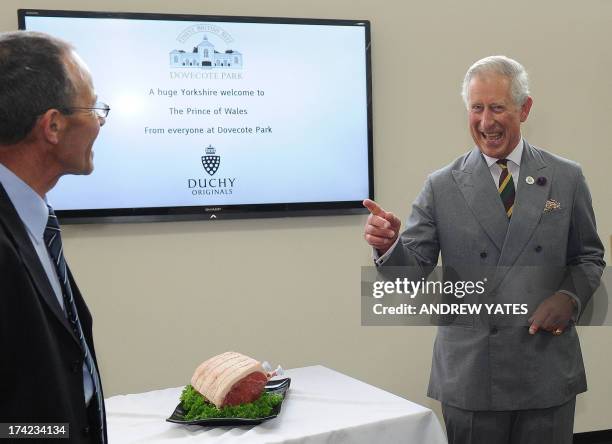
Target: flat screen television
(220, 117)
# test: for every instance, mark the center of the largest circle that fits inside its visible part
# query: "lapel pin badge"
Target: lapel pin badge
(541, 181)
(529, 180)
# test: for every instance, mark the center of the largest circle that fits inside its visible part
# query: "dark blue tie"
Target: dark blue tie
(53, 241)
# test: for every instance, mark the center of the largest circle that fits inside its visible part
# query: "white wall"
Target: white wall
(166, 296)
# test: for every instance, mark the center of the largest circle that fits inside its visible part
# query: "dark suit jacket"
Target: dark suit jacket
(41, 361)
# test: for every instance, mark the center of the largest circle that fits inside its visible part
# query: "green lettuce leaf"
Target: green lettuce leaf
(197, 406)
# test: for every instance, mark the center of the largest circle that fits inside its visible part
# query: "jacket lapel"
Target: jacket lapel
(476, 185)
(529, 205)
(31, 261)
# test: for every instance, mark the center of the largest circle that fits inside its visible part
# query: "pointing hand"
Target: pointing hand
(382, 228)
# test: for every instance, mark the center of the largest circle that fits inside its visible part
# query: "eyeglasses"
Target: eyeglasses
(100, 108)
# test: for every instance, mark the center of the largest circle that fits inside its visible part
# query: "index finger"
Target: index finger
(374, 208)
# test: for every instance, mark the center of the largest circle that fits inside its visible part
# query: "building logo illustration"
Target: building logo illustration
(204, 55)
(210, 162)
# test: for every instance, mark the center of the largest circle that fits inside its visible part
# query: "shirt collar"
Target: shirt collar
(514, 156)
(31, 208)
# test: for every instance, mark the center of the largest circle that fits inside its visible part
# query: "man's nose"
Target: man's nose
(488, 119)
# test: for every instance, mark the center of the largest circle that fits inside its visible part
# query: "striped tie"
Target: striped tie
(53, 241)
(506, 187)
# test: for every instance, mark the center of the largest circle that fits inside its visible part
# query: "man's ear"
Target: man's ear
(526, 108)
(51, 125)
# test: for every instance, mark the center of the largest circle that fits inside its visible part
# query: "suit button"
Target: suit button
(85, 430)
(483, 254)
(75, 366)
(493, 330)
(538, 248)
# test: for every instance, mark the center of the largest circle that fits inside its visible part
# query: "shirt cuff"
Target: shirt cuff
(378, 259)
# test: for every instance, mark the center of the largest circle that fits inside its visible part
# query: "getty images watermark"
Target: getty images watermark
(468, 295)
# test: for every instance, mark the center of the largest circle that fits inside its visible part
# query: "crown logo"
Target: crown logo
(210, 162)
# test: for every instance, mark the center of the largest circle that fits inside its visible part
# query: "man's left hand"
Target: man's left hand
(554, 313)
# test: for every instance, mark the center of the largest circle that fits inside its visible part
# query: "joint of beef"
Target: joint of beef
(230, 379)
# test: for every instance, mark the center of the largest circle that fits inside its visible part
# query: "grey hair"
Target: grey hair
(33, 79)
(504, 66)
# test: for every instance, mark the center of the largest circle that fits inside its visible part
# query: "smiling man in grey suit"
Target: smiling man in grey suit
(526, 213)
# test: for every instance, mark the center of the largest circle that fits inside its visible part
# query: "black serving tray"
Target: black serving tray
(279, 386)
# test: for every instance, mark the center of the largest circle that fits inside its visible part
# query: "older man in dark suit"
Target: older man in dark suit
(49, 119)
(526, 214)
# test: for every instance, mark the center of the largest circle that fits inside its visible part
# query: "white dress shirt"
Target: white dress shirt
(514, 165)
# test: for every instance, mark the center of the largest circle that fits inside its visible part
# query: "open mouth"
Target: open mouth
(492, 137)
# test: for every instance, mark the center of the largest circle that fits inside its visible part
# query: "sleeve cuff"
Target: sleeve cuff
(378, 259)
(577, 305)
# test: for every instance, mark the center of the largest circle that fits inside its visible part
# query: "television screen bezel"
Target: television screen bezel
(214, 212)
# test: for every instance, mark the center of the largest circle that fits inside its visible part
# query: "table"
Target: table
(322, 406)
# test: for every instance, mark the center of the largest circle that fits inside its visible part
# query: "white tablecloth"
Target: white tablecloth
(322, 406)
